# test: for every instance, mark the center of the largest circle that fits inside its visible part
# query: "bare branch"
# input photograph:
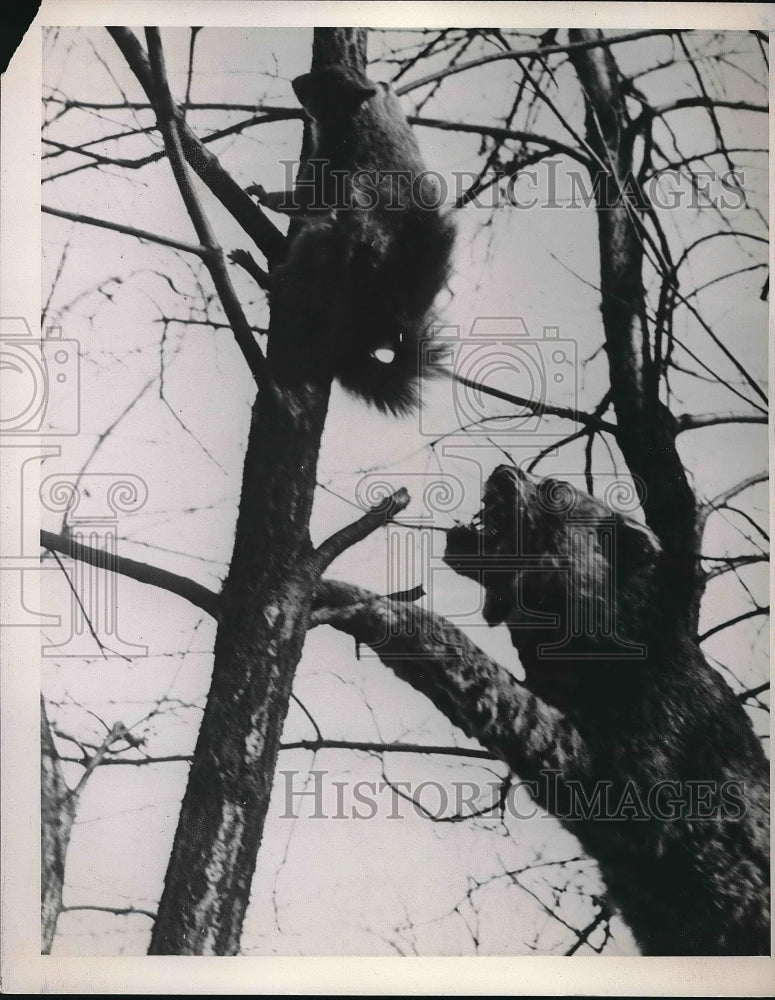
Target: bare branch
(746, 517)
(754, 692)
(141, 161)
(753, 613)
(173, 758)
(346, 537)
(539, 407)
(140, 234)
(119, 911)
(704, 102)
(198, 595)
(314, 745)
(516, 56)
(606, 912)
(276, 112)
(730, 564)
(117, 732)
(737, 233)
(415, 748)
(724, 350)
(494, 132)
(190, 74)
(553, 448)
(170, 125)
(309, 715)
(691, 421)
(264, 234)
(728, 494)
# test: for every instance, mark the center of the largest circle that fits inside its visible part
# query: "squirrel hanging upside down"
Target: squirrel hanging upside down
(374, 248)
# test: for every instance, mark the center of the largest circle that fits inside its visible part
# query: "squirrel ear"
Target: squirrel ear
(301, 87)
(361, 91)
(353, 92)
(330, 86)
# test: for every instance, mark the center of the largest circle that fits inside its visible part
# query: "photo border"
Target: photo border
(22, 967)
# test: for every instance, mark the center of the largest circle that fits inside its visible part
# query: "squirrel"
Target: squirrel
(373, 248)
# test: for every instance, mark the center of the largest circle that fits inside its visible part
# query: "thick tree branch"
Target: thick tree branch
(348, 536)
(475, 693)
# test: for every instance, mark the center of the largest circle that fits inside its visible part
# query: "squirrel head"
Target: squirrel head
(332, 92)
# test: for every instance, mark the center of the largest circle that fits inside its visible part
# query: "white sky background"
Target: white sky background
(332, 887)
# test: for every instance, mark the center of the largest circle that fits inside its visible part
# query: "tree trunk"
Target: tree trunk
(265, 602)
(647, 429)
(57, 809)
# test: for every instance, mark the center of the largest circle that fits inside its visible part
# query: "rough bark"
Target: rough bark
(689, 880)
(57, 808)
(264, 605)
(472, 690)
(265, 610)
